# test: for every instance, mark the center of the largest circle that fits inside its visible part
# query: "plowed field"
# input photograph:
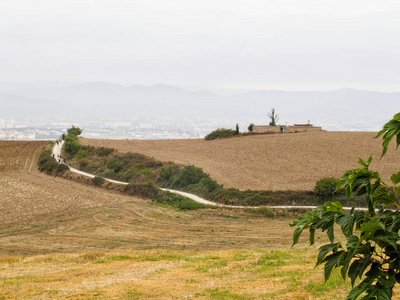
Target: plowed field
(44, 214)
(104, 245)
(268, 162)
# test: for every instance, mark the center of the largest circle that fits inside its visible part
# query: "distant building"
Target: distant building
(285, 128)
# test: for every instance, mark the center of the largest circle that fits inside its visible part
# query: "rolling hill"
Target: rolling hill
(268, 162)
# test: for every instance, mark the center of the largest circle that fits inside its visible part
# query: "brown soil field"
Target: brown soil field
(44, 214)
(269, 162)
(63, 239)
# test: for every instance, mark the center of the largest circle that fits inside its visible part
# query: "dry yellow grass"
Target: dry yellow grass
(228, 274)
(268, 162)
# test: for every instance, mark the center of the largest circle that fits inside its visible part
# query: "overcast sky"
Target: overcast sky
(257, 44)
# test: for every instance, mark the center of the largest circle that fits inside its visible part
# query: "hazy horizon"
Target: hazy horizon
(257, 45)
(185, 68)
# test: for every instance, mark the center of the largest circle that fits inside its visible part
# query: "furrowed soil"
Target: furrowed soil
(45, 214)
(268, 162)
(61, 239)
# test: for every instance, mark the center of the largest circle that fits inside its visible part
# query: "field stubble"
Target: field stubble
(267, 162)
(64, 239)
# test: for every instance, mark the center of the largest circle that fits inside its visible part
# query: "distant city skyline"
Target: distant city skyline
(259, 45)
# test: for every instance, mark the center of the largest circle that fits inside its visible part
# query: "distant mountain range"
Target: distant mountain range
(344, 109)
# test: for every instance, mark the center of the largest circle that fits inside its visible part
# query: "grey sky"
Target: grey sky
(283, 44)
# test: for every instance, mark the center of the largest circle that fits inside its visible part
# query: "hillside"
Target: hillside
(44, 214)
(269, 162)
(64, 239)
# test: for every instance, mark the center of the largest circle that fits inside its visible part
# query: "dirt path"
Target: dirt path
(57, 152)
(275, 162)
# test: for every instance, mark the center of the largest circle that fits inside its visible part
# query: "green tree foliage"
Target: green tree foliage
(74, 131)
(48, 164)
(237, 129)
(145, 190)
(187, 176)
(220, 134)
(71, 145)
(177, 201)
(81, 154)
(250, 128)
(370, 256)
(98, 181)
(166, 172)
(325, 186)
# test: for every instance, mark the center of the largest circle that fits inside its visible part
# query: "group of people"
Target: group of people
(226, 202)
(59, 158)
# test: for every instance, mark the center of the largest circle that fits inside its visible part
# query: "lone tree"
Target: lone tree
(370, 252)
(274, 117)
(237, 129)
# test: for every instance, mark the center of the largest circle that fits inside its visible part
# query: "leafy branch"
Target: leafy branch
(371, 254)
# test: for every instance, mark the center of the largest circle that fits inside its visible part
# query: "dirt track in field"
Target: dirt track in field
(270, 162)
(45, 214)
(26, 193)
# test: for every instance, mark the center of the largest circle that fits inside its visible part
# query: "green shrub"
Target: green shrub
(325, 186)
(220, 134)
(83, 164)
(177, 201)
(250, 128)
(74, 131)
(166, 172)
(71, 145)
(98, 181)
(81, 154)
(48, 164)
(103, 151)
(209, 184)
(128, 174)
(144, 190)
(114, 164)
(187, 176)
(147, 173)
(61, 168)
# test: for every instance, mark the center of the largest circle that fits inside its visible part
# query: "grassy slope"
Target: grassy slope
(155, 274)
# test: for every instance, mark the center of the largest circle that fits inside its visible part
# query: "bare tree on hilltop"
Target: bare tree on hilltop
(274, 117)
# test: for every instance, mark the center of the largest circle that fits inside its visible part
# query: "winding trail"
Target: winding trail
(56, 151)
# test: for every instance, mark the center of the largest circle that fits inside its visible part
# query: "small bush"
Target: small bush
(81, 154)
(83, 164)
(61, 168)
(250, 128)
(113, 164)
(209, 184)
(103, 151)
(177, 201)
(147, 173)
(166, 172)
(49, 165)
(325, 186)
(220, 134)
(98, 181)
(187, 176)
(146, 190)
